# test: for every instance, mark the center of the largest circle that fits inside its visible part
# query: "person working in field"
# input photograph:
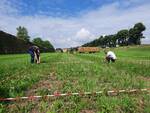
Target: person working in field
(110, 56)
(34, 51)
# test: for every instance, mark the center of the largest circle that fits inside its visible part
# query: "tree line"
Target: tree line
(123, 37)
(22, 33)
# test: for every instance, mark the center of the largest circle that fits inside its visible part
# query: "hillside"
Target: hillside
(10, 44)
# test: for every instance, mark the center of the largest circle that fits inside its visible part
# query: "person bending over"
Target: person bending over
(110, 56)
(35, 54)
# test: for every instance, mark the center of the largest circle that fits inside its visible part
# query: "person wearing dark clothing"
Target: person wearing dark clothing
(35, 54)
(31, 52)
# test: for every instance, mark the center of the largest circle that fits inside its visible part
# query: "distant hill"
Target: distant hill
(10, 44)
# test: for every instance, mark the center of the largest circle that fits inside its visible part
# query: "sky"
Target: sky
(70, 23)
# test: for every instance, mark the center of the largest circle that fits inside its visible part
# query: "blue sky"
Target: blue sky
(68, 23)
(56, 8)
(65, 8)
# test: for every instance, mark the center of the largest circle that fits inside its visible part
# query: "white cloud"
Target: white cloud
(75, 31)
(84, 35)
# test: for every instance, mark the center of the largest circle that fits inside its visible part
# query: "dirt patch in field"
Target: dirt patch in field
(144, 78)
(87, 111)
(47, 84)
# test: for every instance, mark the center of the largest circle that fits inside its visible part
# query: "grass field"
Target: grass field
(77, 73)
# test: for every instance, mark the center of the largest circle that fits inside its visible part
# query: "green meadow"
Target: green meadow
(63, 72)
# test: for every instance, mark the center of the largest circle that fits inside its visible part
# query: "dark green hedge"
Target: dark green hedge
(9, 44)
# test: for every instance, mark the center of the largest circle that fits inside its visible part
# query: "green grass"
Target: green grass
(77, 73)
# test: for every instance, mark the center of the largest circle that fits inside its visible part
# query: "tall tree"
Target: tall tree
(112, 39)
(38, 41)
(122, 37)
(47, 44)
(135, 34)
(22, 34)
